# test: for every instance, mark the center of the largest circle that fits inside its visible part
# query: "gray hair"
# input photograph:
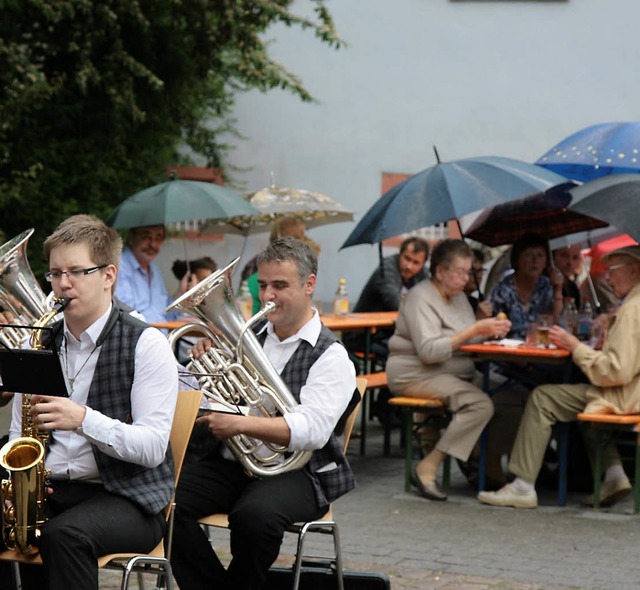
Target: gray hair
(444, 253)
(283, 249)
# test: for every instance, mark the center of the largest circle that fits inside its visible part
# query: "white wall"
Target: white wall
(508, 78)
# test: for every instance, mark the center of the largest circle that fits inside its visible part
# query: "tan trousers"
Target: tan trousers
(547, 405)
(470, 407)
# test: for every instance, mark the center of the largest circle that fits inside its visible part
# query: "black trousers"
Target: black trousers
(259, 512)
(86, 522)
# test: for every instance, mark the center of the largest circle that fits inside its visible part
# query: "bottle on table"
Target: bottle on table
(245, 300)
(585, 322)
(569, 316)
(341, 299)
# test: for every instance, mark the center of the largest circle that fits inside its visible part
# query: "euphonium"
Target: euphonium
(235, 371)
(20, 293)
(23, 512)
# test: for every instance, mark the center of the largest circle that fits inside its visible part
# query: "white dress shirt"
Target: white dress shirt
(153, 399)
(328, 389)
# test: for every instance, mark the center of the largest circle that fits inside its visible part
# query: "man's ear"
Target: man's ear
(310, 285)
(110, 275)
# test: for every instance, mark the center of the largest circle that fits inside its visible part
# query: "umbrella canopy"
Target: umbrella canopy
(447, 191)
(598, 150)
(545, 214)
(272, 202)
(176, 201)
(614, 199)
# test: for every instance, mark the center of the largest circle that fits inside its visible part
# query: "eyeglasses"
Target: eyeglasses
(72, 275)
(615, 267)
(461, 273)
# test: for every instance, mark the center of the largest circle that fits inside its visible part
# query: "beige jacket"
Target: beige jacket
(614, 372)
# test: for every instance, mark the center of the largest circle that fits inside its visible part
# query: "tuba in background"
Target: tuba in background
(23, 507)
(235, 371)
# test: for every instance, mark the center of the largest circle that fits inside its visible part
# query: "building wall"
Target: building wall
(506, 78)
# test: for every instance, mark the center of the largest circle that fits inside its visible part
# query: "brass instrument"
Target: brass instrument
(235, 371)
(23, 510)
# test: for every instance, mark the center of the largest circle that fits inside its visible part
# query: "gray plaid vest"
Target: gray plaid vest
(328, 485)
(110, 394)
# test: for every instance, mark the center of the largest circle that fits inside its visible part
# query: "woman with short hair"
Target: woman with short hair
(425, 360)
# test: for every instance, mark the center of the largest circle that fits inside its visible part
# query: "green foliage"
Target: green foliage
(98, 97)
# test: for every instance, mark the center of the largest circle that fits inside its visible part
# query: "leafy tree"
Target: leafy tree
(98, 97)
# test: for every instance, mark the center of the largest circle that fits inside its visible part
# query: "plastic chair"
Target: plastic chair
(154, 562)
(325, 525)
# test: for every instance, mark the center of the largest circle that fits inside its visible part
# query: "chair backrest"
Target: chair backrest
(361, 385)
(183, 420)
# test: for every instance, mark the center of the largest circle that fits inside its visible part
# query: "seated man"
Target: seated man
(386, 287)
(140, 283)
(316, 369)
(569, 261)
(111, 469)
(614, 386)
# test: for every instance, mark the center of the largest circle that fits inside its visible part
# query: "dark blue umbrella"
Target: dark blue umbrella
(447, 191)
(599, 150)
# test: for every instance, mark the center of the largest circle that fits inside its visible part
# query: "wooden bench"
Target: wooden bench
(613, 424)
(434, 409)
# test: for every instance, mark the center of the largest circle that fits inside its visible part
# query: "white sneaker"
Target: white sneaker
(509, 496)
(611, 492)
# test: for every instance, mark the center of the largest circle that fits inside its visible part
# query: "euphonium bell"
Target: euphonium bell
(235, 371)
(20, 293)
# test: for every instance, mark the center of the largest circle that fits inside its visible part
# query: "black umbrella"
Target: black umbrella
(614, 199)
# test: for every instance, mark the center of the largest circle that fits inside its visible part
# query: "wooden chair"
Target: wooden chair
(325, 525)
(614, 425)
(154, 562)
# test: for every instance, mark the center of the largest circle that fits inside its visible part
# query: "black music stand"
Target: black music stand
(32, 371)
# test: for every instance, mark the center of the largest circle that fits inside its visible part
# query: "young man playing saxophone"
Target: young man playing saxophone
(111, 470)
(316, 369)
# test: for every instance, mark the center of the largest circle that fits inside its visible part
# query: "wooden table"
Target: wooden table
(171, 325)
(367, 322)
(486, 353)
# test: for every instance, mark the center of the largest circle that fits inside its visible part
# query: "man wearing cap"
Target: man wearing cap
(614, 387)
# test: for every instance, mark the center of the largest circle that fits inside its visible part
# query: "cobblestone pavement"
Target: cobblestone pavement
(463, 545)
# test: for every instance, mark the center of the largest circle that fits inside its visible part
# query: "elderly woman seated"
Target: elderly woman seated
(434, 320)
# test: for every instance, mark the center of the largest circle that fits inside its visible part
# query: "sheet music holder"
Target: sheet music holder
(32, 371)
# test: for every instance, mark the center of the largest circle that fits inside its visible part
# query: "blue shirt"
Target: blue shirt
(134, 288)
(504, 298)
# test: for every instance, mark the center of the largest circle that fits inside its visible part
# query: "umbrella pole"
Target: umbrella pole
(592, 288)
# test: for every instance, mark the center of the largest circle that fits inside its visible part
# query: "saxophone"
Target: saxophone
(24, 495)
(23, 509)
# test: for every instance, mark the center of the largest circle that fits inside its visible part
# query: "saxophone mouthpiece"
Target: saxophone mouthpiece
(60, 304)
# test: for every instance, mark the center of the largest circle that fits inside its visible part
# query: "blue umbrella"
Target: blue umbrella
(447, 191)
(599, 150)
